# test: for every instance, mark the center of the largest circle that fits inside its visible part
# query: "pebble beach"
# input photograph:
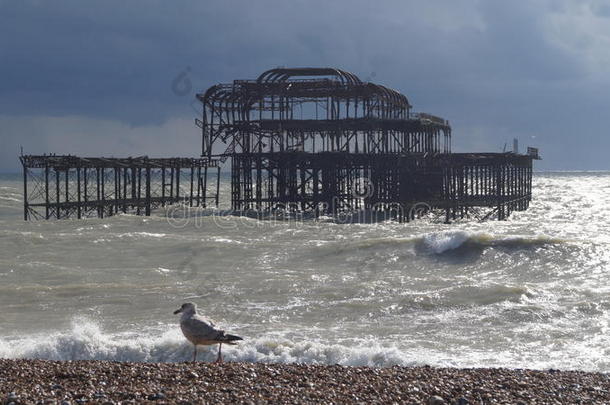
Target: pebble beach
(101, 382)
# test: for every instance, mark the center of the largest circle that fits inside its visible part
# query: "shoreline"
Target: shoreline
(25, 381)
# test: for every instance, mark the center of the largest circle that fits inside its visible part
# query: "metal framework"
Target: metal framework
(316, 110)
(321, 140)
(64, 187)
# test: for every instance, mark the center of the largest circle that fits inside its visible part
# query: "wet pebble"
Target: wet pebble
(156, 397)
(436, 400)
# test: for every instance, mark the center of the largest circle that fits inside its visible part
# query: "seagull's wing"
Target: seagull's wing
(199, 328)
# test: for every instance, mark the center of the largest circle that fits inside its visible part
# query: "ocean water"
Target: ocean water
(532, 291)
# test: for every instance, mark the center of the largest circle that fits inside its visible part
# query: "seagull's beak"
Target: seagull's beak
(177, 311)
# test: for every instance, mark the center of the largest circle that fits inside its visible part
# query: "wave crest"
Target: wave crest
(441, 242)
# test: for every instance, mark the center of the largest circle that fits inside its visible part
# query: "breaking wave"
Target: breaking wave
(437, 243)
(88, 342)
(441, 242)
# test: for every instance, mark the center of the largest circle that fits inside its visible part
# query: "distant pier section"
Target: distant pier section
(62, 187)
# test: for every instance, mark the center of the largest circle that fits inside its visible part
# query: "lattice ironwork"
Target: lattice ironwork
(61, 187)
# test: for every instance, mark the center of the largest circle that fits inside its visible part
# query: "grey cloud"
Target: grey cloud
(484, 65)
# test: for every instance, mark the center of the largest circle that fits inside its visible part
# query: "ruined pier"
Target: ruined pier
(316, 141)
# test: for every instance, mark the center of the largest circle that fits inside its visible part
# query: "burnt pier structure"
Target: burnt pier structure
(315, 141)
(321, 140)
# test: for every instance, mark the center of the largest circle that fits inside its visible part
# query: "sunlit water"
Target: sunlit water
(532, 291)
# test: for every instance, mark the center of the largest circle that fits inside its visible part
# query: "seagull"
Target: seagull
(200, 331)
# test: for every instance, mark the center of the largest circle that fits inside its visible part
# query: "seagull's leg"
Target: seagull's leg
(219, 359)
(195, 353)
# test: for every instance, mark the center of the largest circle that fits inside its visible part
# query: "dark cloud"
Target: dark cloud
(495, 69)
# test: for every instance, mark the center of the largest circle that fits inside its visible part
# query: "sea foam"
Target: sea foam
(87, 341)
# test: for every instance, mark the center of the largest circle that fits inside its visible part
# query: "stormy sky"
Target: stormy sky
(118, 78)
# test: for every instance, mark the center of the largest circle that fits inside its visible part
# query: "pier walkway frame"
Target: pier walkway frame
(65, 186)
